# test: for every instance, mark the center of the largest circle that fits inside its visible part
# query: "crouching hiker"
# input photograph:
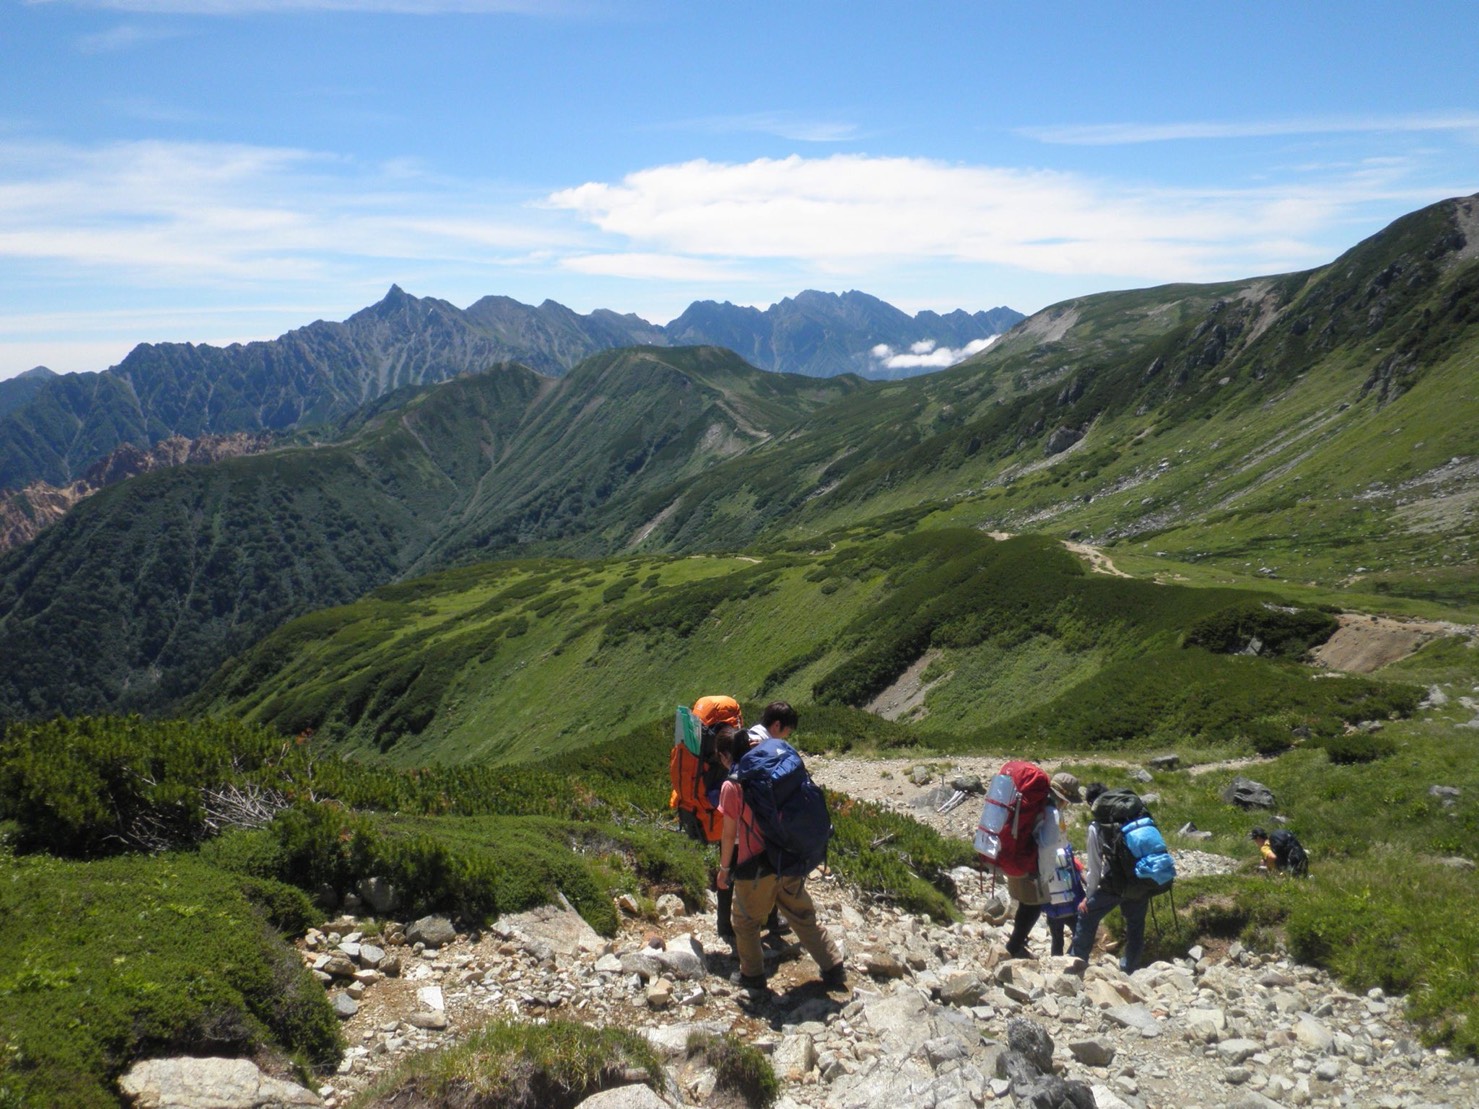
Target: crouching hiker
(776, 830)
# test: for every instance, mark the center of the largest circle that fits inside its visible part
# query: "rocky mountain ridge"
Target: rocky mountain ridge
(54, 426)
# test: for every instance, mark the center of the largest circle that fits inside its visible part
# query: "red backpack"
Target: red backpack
(1005, 836)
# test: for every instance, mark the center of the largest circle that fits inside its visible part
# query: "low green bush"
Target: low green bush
(120, 958)
(1280, 632)
(508, 1063)
(738, 1068)
(895, 858)
(99, 785)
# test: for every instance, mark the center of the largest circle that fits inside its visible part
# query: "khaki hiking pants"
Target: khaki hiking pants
(753, 900)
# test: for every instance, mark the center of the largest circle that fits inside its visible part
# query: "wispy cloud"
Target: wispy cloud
(1120, 134)
(402, 7)
(783, 125)
(127, 36)
(659, 267)
(223, 212)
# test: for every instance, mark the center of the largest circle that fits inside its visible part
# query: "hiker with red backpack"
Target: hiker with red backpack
(1127, 864)
(775, 831)
(1022, 834)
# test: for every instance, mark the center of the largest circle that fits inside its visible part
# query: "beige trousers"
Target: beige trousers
(753, 900)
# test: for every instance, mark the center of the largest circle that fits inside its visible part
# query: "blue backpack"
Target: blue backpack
(790, 810)
(1137, 864)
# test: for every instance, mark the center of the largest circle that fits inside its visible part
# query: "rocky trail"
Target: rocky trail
(934, 1015)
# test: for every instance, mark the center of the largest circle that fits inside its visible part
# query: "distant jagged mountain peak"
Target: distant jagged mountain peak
(53, 427)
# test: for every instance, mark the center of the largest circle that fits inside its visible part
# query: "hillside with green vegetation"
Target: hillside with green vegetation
(145, 588)
(513, 661)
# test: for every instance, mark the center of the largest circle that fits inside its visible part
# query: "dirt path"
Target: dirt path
(890, 782)
(1099, 562)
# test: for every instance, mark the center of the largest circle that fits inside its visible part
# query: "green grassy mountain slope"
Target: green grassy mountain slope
(517, 660)
(145, 588)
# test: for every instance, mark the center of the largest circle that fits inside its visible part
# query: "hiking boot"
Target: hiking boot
(752, 984)
(835, 978)
(1018, 951)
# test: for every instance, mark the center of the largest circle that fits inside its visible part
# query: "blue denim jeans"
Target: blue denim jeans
(1097, 909)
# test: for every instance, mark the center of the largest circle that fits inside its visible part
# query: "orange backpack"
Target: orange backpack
(693, 755)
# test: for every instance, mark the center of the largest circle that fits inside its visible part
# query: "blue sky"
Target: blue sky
(224, 170)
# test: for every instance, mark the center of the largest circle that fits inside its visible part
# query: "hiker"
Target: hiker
(1119, 874)
(725, 736)
(1050, 889)
(758, 888)
(778, 721)
(1280, 853)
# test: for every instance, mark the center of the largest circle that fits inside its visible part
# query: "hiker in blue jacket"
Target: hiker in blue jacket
(1099, 900)
(758, 890)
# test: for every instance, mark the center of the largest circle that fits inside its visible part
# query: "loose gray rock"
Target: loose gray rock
(1033, 1041)
(1137, 1017)
(1140, 775)
(1237, 1050)
(344, 1005)
(1165, 762)
(963, 990)
(796, 1057)
(1097, 1052)
(883, 964)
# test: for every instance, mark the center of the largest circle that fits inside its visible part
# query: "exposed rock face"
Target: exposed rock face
(1061, 439)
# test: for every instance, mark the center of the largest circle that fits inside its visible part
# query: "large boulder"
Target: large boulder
(433, 931)
(209, 1084)
(1245, 793)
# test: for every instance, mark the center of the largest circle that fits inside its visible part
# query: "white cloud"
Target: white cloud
(927, 354)
(850, 214)
(1116, 134)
